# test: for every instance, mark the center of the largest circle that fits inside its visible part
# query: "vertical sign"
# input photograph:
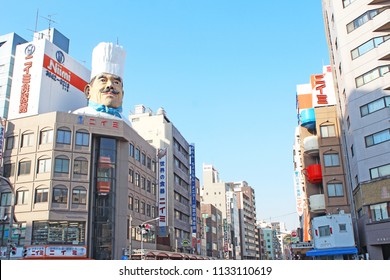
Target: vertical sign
(162, 191)
(2, 130)
(193, 188)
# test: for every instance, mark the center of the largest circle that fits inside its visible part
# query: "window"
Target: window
(375, 106)
(137, 154)
(363, 19)
(143, 183)
(335, 189)
(9, 169)
(130, 203)
(342, 227)
(324, 231)
(372, 75)
(379, 212)
(136, 205)
(143, 159)
(44, 165)
(137, 179)
(346, 3)
(331, 160)
(131, 150)
(62, 232)
(380, 171)
(6, 198)
(148, 209)
(63, 136)
(327, 131)
(369, 45)
(148, 185)
(79, 195)
(80, 166)
(10, 143)
(60, 195)
(24, 167)
(82, 138)
(142, 210)
(131, 176)
(27, 139)
(149, 163)
(377, 138)
(41, 195)
(61, 165)
(46, 137)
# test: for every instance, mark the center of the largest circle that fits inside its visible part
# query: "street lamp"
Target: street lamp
(142, 236)
(11, 218)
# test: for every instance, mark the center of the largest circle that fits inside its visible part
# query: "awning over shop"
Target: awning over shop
(332, 252)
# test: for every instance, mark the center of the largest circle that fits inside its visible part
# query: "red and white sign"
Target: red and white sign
(46, 79)
(51, 251)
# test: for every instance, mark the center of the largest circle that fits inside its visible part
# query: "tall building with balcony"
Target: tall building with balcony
(358, 34)
(246, 204)
(213, 231)
(177, 208)
(320, 183)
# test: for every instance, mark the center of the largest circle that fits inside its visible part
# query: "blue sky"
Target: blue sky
(224, 71)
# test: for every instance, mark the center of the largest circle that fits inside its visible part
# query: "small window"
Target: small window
(380, 171)
(9, 169)
(80, 166)
(342, 227)
(60, 195)
(46, 137)
(10, 143)
(79, 195)
(63, 136)
(335, 189)
(324, 231)
(24, 167)
(331, 160)
(27, 140)
(44, 165)
(6, 198)
(61, 165)
(41, 195)
(22, 197)
(82, 139)
(328, 131)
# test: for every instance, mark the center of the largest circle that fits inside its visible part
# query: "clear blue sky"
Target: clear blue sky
(224, 71)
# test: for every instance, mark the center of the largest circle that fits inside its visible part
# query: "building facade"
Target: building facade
(358, 41)
(179, 225)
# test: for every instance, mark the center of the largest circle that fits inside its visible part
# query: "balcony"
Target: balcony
(307, 118)
(317, 202)
(310, 145)
(313, 173)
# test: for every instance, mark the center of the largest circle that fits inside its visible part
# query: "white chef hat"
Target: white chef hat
(108, 58)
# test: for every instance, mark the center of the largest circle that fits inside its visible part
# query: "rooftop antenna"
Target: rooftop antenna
(36, 24)
(48, 18)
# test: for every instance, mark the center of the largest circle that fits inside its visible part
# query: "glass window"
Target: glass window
(335, 189)
(46, 136)
(130, 203)
(63, 136)
(324, 231)
(27, 139)
(79, 195)
(131, 150)
(377, 138)
(137, 154)
(131, 176)
(327, 131)
(62, 232)
(10, 143)
(380, 171)
(6, 198)
(22, 197)
(41, 195)
(24, 167)
(80, 166)
(60, 195)
(137, 179)
(372, 75)
(61, 165)
(136, 205)
(331, 160)
(375, 105)
(82, 139)
(9, 169)
(379, 211)
(367, 46)
(44, 165)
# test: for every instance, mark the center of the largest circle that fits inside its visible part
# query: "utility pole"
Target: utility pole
(142, 236)
(130, 237)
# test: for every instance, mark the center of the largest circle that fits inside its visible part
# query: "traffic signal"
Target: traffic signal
(13, 249)
(147, 228)
(24, 252)
(144, 228)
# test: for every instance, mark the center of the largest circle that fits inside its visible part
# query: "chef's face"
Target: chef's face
(105, 89)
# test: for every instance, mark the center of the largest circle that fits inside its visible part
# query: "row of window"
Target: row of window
(141, 157)
(141, 207)
(369, 45)
(371, 75)
(59, 195)
(64, 136)
(61, 165)
(375, 105)
(364, 18)
(141, 182)
(346, 3)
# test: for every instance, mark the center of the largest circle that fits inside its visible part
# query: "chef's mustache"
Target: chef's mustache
(114, 91)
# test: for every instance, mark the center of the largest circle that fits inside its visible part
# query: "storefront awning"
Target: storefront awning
(332, 252)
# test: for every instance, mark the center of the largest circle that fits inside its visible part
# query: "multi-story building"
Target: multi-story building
(78, 185)
(213, 231)
(222, 196)
(320, 182)
(8, 45)
(246, 204)
(177, 209)
(359, 46)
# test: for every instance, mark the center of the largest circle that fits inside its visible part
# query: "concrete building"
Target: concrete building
(246, 204)
(359, 48)
(320, 183)
(8, 45)
(178, 207)
(223, 197)
(213, 231)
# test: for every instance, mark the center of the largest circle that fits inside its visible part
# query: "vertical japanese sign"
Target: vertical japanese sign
(193, 188)
(162, 191)
(2, 132)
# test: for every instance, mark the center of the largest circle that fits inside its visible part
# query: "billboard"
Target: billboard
(162, 191)
(46, 79)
